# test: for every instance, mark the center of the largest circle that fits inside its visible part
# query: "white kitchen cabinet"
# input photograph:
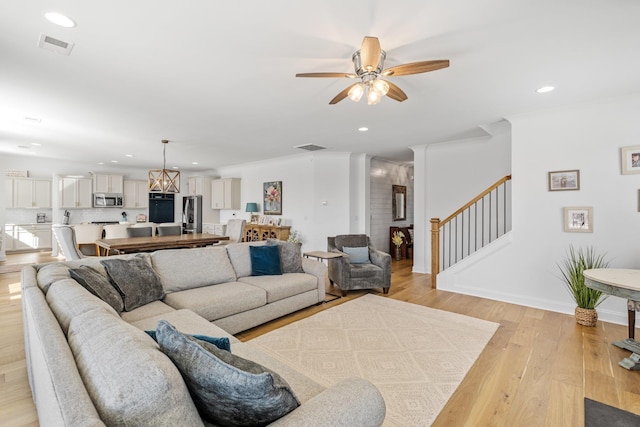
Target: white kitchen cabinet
(106, 183)
(201, 186)
(24, 237)
(225, 193)
(216, 229)
(136, 194)
(76, 193)
(29, 193)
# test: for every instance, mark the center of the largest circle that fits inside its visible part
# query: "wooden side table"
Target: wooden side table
(321, 256)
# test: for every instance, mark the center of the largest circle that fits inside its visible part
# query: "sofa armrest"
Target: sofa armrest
(382, 260)
(318, 269)
(351, 402)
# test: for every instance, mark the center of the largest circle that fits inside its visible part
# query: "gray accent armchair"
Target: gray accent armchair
(347, 276)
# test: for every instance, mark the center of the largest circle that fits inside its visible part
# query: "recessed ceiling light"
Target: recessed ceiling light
(176, 167)
(114, 161)
(34, 120)
(194, 163)
(101, 163)
(36, 144)
(363, 129)
(545, 89)
(60, 19)
(128, 155)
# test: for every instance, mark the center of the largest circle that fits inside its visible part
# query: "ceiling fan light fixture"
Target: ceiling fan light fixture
(380, 86)
(356, 92)
(373, 97)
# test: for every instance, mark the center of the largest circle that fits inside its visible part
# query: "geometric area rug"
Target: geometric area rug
(416, 356)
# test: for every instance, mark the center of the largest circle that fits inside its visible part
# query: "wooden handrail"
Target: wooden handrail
(436, 225)
(475, 199)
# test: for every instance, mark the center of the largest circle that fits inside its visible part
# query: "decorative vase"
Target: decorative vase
(586, 316)
(398, 254)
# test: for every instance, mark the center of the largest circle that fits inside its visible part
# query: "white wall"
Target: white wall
(317, 195)
(449, 174)
(523, 267)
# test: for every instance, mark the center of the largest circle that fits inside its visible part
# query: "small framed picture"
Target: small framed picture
(630, 157)
(564, 180)
(578, 219)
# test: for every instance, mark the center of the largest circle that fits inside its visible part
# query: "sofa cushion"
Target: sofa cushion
(363, 271)
(68, 299)
(240, 258)
(227, 389)
(181, 269)
(148, 310)
(98, 284)
(216, 302)
(130, 381)
(357, 255)
(135, 280)
(265, 260)
(290, 255)
(51, 273)
(284, 286)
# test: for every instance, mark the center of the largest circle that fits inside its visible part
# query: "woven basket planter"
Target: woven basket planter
(586, 316)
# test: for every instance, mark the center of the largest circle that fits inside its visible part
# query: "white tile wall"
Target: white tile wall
(383, 176)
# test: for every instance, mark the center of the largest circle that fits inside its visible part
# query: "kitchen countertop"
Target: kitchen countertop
(32, 223)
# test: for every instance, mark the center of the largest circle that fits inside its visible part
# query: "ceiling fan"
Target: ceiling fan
(368, 63)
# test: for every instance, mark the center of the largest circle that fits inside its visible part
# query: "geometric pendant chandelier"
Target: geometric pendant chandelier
(164, 180)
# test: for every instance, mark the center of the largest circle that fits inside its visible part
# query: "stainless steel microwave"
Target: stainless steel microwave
(107, 200)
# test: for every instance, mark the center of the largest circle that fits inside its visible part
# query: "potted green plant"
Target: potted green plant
(587, 299)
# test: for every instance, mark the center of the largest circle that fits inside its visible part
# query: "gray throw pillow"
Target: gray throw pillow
(98, 284)
(358, 255)
(135, 280)
(290, 255)
(227, 390)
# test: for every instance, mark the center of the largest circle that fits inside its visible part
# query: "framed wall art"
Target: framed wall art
(564, 180)
(578, 219)
(630, 157)
(272, 195)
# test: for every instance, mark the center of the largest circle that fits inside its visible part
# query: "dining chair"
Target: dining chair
(115, 231)
(169, 230)
(153, 226)
(235, 231)
(87, 234)
(66, 237)
(139, 231)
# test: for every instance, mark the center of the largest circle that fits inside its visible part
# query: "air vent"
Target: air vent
(310, 147)
(54, 45)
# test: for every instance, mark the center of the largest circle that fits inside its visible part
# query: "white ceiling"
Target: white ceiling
(218, 78)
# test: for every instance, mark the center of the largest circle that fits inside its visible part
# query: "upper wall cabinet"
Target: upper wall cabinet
(28, 193)
(136, 194)
(103, 183)
(75, 193)
(225, 193)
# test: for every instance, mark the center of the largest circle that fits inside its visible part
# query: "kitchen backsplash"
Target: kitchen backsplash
(77, 216)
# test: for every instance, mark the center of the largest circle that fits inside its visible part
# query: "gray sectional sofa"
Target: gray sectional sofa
(90, 364)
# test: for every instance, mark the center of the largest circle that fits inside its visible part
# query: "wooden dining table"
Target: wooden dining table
(153, 243)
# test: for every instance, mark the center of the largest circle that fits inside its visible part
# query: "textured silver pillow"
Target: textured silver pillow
(227, 390)
(135, 280)
(99, 285)
(290, 255)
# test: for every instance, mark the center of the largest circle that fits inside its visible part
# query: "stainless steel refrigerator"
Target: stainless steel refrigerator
(192, 214)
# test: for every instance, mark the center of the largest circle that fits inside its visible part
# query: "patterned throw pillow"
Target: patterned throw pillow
(135, 280)
(227, 390)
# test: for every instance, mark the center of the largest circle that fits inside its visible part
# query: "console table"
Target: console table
(623, 283)
(257, 232)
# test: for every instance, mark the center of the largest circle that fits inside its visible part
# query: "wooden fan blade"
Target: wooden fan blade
(333, 75)
(415, 68)
(395, 92)
(370, 53)
(342, 95)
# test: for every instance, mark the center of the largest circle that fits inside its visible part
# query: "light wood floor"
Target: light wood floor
(534, 372)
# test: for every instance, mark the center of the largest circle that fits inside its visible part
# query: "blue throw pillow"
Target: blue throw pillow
(265, 260)
(359, 255)
(221, 342)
